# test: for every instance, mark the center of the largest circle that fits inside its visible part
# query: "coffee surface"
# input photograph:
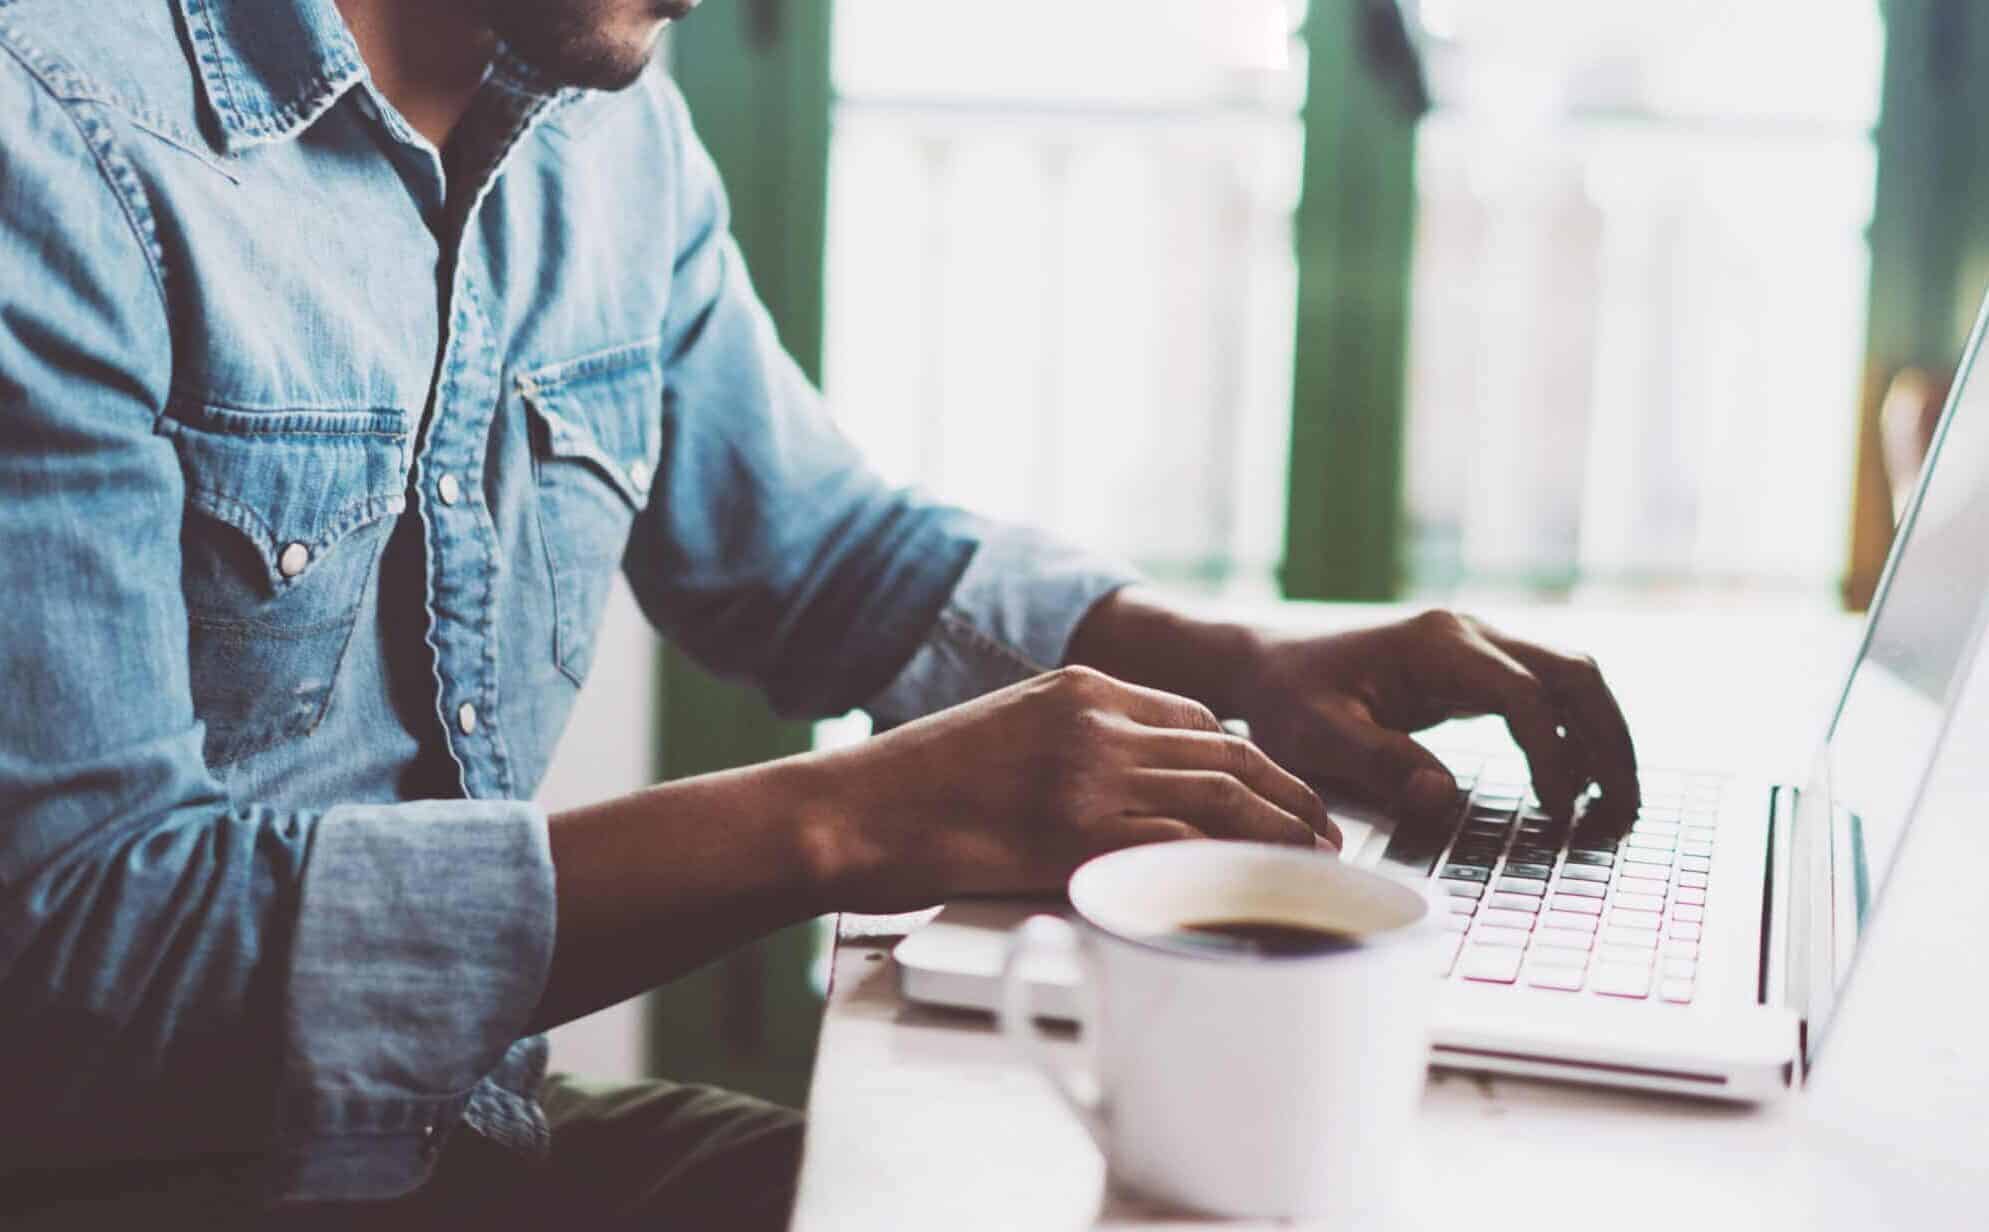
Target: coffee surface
(1264, 938)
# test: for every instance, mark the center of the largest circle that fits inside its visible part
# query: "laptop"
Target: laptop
(1701, 946)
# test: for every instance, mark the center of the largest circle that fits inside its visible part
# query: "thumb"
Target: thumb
(1383, 764)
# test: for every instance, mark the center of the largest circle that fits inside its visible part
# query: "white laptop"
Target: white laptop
(1701, 946)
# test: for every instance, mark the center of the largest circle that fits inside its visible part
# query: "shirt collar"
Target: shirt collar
(270, 67)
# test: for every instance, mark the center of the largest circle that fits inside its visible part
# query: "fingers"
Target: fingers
(1495, 681)
(1241, 759)
(1377, 762)
(1217, 804)
(1594, 717)
(1151, 706)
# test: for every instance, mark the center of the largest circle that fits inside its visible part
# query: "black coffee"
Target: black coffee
(1260, 938)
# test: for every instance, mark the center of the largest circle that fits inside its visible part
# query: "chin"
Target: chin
(594, 44)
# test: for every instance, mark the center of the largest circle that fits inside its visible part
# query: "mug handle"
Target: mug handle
(1077, 1087)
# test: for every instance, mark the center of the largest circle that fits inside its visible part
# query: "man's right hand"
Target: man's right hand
(1012, 791)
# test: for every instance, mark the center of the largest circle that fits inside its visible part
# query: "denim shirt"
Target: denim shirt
(318, 452)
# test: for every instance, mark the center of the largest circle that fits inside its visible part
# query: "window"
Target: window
(1060, 280)
(1639, 295)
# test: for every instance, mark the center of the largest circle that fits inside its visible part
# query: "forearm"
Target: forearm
(658, 882)
(1135, 636)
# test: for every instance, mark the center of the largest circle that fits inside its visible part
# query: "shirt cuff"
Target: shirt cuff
(1010, 617)
(423, 944)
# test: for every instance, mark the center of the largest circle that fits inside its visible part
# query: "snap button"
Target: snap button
(466, 718)
(638, 474)
(450, 489)
(293, 560)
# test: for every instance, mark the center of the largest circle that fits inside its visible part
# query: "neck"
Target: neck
(426, 56)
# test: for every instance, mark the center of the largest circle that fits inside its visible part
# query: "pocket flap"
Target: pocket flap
(292, 482)
(603, 410)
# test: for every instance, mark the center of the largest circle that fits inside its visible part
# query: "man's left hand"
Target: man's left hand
(1337, 709)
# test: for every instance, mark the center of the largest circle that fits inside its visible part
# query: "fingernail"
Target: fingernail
(1429, 790)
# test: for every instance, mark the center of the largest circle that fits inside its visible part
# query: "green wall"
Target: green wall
(1355, 233)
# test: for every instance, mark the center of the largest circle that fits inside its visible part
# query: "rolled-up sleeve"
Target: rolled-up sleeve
(183, 973)
(774, 555)
(1010, 617)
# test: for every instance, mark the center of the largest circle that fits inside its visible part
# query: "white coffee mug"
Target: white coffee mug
(1239, 1083)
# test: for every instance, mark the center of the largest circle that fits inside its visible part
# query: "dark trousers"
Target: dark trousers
(648, 1155)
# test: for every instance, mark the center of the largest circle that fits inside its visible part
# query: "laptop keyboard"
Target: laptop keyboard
(1599, 904)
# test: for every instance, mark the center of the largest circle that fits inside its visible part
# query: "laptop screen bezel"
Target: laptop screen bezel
(1825, 933)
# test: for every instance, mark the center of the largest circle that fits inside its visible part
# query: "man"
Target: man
(346, 350)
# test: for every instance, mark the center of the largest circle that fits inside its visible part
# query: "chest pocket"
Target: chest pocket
(287, 514)
(597, 429)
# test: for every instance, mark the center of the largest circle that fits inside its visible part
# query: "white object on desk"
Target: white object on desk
(1237, 1083)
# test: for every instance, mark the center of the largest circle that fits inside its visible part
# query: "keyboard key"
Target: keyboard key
(1567, 979)
(1557, 956)
(1584, 872)
(1689, 915)
(1651, 842)
(1622, 980)
(1532, 872)
(1643, 939)
(1587, 889)
(1681, 949)
(1638, 902)
(1630, 917)
(1514, 902)
(1646, 825)
(1601, 859)
(1691, 848)
(1456, 923)
(1522, 920)
(1520, 885)
(1641, 885)
(1561, 939)
(1680, 968)
(1682, 931)
(1692, 881)
(1695, 864)
(1489, 964)
(1462, 906)
(1699, 834)
(1570, 919)
(1689, 896)
(1466, 872)
(1678, 992)
(1514, 938)
(1462, 889)
(1533, 855)
(1570, 902)
(1631, 954)
(1640, 856)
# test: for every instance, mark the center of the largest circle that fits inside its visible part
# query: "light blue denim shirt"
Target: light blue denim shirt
(317, 455)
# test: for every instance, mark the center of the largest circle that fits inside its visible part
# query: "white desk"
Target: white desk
(921, 1119)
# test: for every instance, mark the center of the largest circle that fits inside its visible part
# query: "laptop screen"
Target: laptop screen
(1918, 642)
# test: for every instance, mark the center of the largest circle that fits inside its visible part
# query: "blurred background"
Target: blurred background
(1445, 300)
